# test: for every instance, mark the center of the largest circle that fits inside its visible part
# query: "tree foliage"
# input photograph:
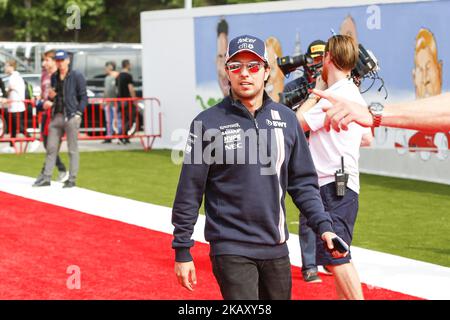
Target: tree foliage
(101, 20)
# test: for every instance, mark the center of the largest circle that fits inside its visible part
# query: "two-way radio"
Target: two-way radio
(341, 179)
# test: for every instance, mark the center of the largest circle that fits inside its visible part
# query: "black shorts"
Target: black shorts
(343, 211)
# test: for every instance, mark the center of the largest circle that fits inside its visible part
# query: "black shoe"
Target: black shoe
(125, 140)
(69, 184)
(106, 141)
(41, 182)
(311, 277)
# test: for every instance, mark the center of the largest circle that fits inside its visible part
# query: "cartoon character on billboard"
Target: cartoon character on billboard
(275, 84)
(427, 78)
(222, 46)
(348, 28)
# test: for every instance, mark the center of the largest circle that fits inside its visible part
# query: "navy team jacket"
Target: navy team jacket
(244, 165)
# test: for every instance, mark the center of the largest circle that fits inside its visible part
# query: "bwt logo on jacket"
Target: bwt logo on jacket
(276, 123)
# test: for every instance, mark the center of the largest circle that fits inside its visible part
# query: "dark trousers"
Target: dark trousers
(307, 239)
(17, 124)
(343, 211)
(242, 278)
(127, 112)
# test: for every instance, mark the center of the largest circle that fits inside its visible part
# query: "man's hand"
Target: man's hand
(327, 237)
(47, 105)
(343, 112)
(185, 272)
(51, 93)
(321, 84)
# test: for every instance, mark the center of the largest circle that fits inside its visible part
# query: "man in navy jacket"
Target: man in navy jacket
(68, 99)
(244, 154)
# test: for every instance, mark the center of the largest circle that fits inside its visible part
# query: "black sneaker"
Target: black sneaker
(311, 277)
(124, 141)
(41, 182)
(69, 184)
(107, 141)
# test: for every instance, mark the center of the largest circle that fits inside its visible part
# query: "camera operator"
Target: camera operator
(311, 75)
(336, 156)
(315, 50)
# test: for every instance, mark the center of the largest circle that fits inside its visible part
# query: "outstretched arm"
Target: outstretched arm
(429, 114)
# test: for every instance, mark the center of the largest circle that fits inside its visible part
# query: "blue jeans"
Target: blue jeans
(307, 239)
(109, 117)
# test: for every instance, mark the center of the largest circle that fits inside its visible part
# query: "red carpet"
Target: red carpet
(117, 260)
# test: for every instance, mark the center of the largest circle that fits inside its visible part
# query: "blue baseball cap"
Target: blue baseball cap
(61, 55)
(247, 43)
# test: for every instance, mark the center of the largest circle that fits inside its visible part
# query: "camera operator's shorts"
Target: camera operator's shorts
(343, 211)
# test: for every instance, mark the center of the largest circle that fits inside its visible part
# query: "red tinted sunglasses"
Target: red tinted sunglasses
(252, 67)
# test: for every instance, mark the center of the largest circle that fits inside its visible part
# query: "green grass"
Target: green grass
(403, 217)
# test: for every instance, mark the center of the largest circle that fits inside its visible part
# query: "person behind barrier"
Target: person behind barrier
(3, 89)
(336, 157)
(111, 113)
(68, 99)
(244, 201)
(50, 68)
(16, 96)
(126, 90)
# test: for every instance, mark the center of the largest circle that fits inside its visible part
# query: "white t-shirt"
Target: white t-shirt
(328, 147)
(17, 93)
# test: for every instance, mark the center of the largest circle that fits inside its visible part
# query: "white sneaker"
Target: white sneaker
(132, 130)
(63, 176)
(324, 270)
(32, 147)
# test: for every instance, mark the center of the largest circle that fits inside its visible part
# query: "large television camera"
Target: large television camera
(288, 64)
(366, 67)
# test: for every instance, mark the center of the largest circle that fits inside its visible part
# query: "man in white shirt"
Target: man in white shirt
(328, 148)
(16, 97)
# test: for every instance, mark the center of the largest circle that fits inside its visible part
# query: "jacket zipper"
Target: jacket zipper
(255, 123)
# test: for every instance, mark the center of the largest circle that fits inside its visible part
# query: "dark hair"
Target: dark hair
(222, 27)
(125, 63)
(112, 64)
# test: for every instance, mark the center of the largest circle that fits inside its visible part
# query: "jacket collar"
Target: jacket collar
(69, 72)
(237, 104)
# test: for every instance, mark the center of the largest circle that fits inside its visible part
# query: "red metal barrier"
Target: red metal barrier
(18, 128)
(103, 118)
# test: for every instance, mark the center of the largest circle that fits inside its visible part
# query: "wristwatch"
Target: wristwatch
(376, 109)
